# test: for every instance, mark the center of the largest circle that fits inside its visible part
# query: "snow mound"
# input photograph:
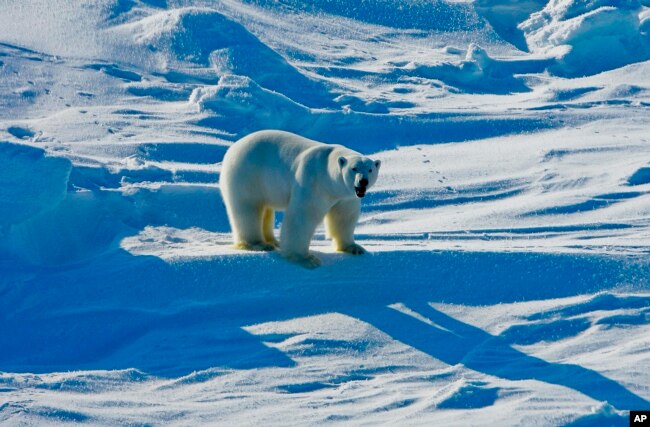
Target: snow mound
(31, 182)
(505, 15)
(244, 106)
(469, 395)
(480, 73)
(205, 38)
(589, 37)
(600, 415)
(54, 213)
(42, 221)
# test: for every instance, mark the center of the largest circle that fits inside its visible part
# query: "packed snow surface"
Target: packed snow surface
(508, 279)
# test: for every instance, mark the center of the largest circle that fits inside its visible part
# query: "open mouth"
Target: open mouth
(361, 191)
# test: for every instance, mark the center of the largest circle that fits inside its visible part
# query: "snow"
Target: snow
(599, 35)
(508, 279)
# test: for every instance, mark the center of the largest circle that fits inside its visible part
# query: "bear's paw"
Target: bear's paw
(354, 249)
(259, 247)
(309, 261)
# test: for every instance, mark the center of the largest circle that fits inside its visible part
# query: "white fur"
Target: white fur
(274, 170)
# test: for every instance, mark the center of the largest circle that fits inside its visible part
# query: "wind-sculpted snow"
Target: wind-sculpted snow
(56, 214)
(240, 106)
(31, 183)
(507, 280)
(209, 39)
(479, 73)
(504, 16)
(589, 37)
(243, 106)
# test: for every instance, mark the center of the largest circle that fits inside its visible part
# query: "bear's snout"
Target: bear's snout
(360, 185)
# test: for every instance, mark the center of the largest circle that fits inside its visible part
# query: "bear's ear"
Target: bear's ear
(377, 163)
(342, 161)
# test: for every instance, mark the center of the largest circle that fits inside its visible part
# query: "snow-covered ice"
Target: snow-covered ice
(508, 280)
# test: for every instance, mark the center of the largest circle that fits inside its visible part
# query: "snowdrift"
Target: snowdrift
(64, 214)
(31, 182)
(479, 73)
(48, 223)
(589, 37)
(208, 39)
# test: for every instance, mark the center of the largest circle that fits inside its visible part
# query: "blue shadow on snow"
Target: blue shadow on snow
(121, 311)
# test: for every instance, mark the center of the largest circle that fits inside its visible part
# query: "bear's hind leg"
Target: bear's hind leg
(247, 227)
(267, 227)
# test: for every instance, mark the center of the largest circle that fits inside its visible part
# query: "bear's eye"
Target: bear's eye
(354, 169)
(370, 171)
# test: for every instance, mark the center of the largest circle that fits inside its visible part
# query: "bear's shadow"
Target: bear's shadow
(170, 319)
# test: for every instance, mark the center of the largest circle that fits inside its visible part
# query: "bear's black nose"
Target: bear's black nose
(363, 182)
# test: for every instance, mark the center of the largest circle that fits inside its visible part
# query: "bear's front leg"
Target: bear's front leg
(340, 222)
(298, 227)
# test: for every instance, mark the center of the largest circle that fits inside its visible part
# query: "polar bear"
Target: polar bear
(309, 180)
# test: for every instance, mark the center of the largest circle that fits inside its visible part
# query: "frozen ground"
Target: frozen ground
(509, 275)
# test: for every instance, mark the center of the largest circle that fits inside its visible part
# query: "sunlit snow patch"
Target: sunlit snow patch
(597, 35)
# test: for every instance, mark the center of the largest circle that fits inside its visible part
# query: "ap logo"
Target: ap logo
(639, 418)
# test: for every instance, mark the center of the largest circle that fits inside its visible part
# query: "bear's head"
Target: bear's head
(359, 173)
